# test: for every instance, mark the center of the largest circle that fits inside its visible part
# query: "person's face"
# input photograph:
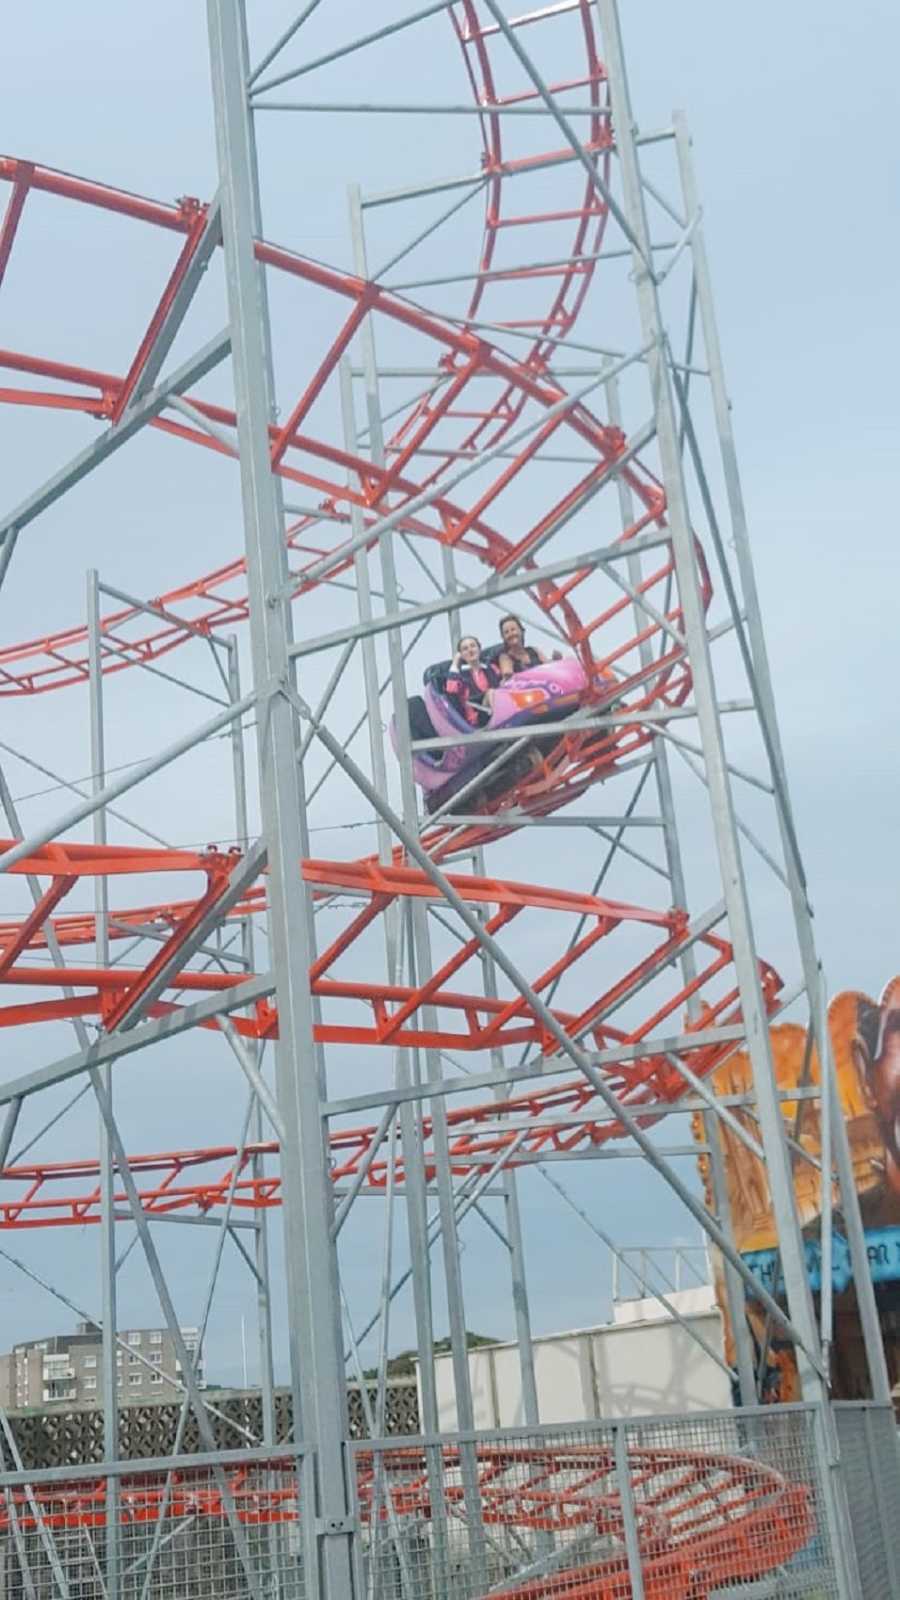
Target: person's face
(469, 650)
(511, 633)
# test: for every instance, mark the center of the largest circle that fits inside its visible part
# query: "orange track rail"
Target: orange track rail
(442, 1014)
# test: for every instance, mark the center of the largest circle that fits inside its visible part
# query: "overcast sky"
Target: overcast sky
(792, 111)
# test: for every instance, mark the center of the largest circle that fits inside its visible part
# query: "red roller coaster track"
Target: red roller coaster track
(556, 1117)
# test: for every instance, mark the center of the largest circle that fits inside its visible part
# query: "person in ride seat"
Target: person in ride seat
(516, 655)
(470, 682)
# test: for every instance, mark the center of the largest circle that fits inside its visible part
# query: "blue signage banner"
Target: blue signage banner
(882, 1245)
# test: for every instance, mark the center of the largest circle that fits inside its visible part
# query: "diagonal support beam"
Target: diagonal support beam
(111, 791)
(13, 214)
(320, 378)
(360, 43)
(137, 417)
(35, 920)
(491, 589)
(113, 1046)
(185, 941)
(203, 239)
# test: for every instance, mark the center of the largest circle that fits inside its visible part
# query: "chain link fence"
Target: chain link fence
(195, 1533)
(870, 1461)
(711, 1506)
(678, 1508)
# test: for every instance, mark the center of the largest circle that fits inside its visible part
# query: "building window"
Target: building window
(156, 1336)
(134, 1338)
(156, 1377)
(134, 1379)
(90, 1383)
(156, 1357)
(90, 1361)
(133, 1361)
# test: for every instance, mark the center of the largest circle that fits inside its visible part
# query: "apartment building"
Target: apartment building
(66, 1368)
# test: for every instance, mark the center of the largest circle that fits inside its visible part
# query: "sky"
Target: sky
(792, 117)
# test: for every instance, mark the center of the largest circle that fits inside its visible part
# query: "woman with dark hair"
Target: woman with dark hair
(470, 682)
(516, 655)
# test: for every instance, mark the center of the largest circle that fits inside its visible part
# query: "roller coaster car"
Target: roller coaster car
(547, 691)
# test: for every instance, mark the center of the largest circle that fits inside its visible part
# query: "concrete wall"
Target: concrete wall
(643, 1362)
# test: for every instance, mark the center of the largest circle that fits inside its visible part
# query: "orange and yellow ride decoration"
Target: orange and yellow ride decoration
(865, 1037)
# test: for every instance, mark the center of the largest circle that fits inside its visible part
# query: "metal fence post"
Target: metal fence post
(629, 1516)
(836, 1507)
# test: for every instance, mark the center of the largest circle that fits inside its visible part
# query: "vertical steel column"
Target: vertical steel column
(108, 1348)
(369, 659)
(261, 1222)
(509, 1177)
(731, 867)
(420, 952)
(414, 1186)
(734, 1289)
(871, 1329)
(513, 1219)
(856, 1237)
(317, 1367)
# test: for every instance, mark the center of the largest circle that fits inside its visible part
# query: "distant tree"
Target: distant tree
(404, 1364)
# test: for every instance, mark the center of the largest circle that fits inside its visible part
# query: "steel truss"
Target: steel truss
(517, 1023)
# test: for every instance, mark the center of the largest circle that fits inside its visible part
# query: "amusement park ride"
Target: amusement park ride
(500, 1023)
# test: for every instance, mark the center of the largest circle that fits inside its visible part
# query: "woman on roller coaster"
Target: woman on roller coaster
(470, 682)
(515, 655)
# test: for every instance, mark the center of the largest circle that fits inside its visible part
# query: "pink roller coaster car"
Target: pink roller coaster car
(548, 691)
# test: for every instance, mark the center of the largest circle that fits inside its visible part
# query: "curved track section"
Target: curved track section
(448, 1013)
(204, 603)
(612, 643)
(484, 400)
(703, 1519)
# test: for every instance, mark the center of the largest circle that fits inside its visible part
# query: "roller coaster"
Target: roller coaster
(704, 1519)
